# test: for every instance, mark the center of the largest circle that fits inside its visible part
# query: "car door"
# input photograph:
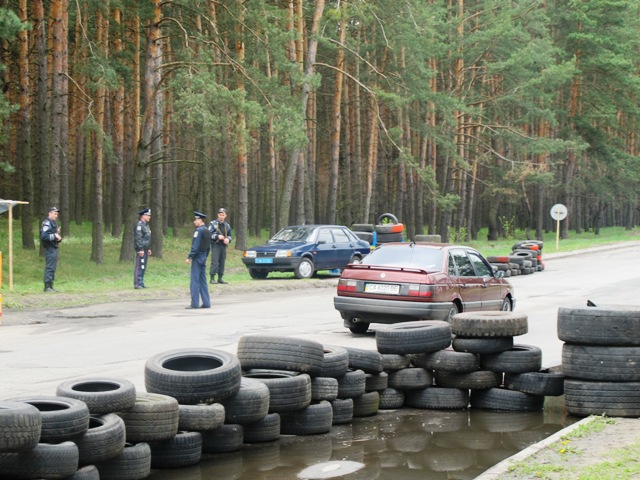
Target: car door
(344, 247)
(471, 286)
(491, 289)
(326, 251)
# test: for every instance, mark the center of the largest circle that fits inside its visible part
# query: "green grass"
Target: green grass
(83, 281)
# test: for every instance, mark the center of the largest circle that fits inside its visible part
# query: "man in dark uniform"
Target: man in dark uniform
(198, 259)
(50, 237)
(142, 247)
(220, 238)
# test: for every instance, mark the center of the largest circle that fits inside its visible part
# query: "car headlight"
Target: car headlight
(250, 253)
(283, 253)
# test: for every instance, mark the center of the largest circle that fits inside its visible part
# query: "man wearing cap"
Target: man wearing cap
(50, 238)
(220, 237)
(198, 259)
(142, 247)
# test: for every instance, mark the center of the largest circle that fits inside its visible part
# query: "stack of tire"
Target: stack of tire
(600, 360)
(525, 258)
(387, 230)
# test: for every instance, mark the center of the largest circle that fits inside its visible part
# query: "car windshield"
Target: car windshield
(406, 256)
(292, 234)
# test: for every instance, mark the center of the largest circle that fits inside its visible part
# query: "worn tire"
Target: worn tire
(134, 463)
(369, 361)
(438, 398)
(489, 324)
(90, 472)
(62, 418)
(414, 337)
(182, 450)
(324, 388)
(335, 363)
(481, 379)
(614, 325)
(286, 392)
(507, 400)
(192, 376)
(153, 417)
(201, 417)
(101, 394)
(266, 430)
(544, 382)
(366, 404)
(375, 382)
(393, 361)
(227, 438)
(42, 461)
(391, 399)
(352, 384)
(410, 379)
(249, 405)
(104, 440)
(482, 345)
(613, 399)
(447, 361)
(520, 359)
(20, 426)
(362, 227)
(281, 353)
(606, 363)
(342, 410)
(312, 420)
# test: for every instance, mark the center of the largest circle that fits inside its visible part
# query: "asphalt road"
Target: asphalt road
(41, 349)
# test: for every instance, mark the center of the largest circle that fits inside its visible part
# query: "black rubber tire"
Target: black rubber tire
(266, 430)
(134, 463)
(414, 337)
(366, 236)
(44, 460)
(393, 361)
(374, 382)
(305, 269)
(281, 353)
(362, 227)
(193, 375)
(312, 420)
(197, 418)
(438, 398)
(324, 388)
(366, 404)
(153, 417)
(258, 273)
(369, 361)
(391, 399)
(613, 399)
(342, 411)
(410, 379)
(249, 405)
(20, 426)
(388, 229)
(481, 379)
(544, 382)
(388, 237)
(507, 400)
(286, 392)
(352, 384)
(63, 418)
(447, 361)
(614, 325)
(228, 438)
(389, 216)
(336, 361)
(90, 472)
(104, 440)
(520, 359)
(180, 451)
(101, 394)
(359, 327)
(606, 363)
(482, 345)
(489, 324)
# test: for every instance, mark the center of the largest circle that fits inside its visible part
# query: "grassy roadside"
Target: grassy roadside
(82, 281)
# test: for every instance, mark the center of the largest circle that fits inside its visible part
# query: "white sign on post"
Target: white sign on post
(558, 212)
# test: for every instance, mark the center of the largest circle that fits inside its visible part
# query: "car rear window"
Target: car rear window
(407, 257)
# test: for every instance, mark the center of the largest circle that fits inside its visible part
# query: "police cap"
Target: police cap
(199, 215)
(146, 211)
(54, 209)
(222, 210)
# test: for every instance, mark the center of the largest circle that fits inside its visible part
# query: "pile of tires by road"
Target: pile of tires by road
(387, 230)
(601, 360)
(525, 258)
(203, 400)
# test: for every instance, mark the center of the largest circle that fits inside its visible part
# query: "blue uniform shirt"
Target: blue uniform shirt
(200, 242)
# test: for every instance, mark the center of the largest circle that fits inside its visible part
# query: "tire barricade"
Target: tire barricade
(387, 230)
(525, 259)
(206, 401)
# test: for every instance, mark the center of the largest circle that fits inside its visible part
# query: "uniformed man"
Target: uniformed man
(200, 245)
(50, 238)
(142, 247)
(220, 237)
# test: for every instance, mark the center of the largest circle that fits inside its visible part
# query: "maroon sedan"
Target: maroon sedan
(398, 282)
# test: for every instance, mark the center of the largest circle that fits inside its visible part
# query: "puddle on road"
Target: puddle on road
(400, 444)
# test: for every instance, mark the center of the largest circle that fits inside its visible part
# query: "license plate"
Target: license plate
(264, 260)
(385, 288)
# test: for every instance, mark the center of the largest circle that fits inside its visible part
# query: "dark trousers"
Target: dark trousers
(199, 285)
(51, 262)
(218, 259)
(141, 267)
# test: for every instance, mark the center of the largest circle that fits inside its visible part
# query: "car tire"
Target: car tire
(342, 410)
(506, 305)
(544, 382)
(520, 359)
(473, 380)
(352, 384)
(258, 273)
(362, 227)
(387, 216)
(615, 325)
(375, 382)
(359, 328)
(336, 362)
(453, 310)
(482, 345)
(266, 430)
(44, 460)
(369, 361)
(414, 337)
(410, 379)
(20, 426)
(366, 404)
(393, 361)
(193, 375)
(153, 417)
(104, 440)
(228, 438)
(249, 405)
(180, 451)
(101, 394)
(489, 324)
(604, 363)
(305, 269)
(391, 399)
(133, 463)
(280, 353)
(201, 417)
(438, 398)
(324, 388)
(286, 392)
(613, 399)
(447, 360)
(311, 420)
(506, 400)
(366, 236)
(355, 259)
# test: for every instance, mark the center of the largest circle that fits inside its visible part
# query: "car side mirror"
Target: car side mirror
(321, 242)
(498, 274)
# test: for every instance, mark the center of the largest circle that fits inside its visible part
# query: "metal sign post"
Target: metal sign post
(10, 204)
(558, 212)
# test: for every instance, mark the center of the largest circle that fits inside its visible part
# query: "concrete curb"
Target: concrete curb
(503, 467)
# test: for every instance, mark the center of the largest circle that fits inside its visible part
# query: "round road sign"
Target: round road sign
(558, 212)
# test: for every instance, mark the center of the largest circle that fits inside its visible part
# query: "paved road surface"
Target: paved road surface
(39, 350)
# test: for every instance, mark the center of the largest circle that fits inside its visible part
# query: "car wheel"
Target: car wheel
(359, 327)
(258, 274)
(453, 310)
(506, 305)
(355, 259)
(305, 269)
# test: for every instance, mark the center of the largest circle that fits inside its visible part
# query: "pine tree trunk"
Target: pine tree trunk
(42, 119)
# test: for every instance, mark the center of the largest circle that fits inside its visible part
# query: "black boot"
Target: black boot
(220, 280)
(213, 279)
(48, 287)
